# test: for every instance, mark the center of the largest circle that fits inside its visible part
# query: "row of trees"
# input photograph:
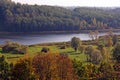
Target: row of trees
(104, 59)
(42, 67)
(33, 18)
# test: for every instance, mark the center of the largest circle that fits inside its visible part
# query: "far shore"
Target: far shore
(61, 32)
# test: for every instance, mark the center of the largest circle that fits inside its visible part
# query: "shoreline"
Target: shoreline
(61, 32)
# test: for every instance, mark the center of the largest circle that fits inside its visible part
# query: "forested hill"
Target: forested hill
(33, 18)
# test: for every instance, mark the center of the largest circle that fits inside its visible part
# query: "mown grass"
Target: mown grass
(33, 50)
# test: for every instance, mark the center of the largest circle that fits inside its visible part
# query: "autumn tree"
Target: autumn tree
(102, 25)
(96, 33)
(53, 67)
(44, 65)
(75, 43)
(108, 41)
(23, 70)
(85, 71)
(91, 35)
(110, 33)
(98, 24)
(117, 68)
(106, 71)
(94, 22)
(91, 71)
(65, 68)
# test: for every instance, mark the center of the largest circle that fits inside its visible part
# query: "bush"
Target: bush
(62, 47)
(14, 47)
(81, 48)
(45, 49)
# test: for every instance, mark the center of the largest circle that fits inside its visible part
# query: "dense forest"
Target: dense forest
(16, 17)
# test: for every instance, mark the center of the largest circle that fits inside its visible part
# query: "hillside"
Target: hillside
(34, 18)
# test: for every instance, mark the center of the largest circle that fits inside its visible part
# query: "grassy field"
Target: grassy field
(33, 50)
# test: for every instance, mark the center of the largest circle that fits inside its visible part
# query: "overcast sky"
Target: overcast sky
(88, 3)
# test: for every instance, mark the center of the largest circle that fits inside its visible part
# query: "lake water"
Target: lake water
(28, 39)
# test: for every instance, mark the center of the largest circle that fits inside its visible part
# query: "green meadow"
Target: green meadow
(33, 50)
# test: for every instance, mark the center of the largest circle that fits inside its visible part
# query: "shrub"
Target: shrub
(62, 47)
(81, 48)
(4, 69)
(14, 47)
(45, 49)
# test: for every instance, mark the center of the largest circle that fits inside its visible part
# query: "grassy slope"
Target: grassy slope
(33, 50)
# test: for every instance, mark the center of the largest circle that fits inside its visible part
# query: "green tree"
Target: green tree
(75, 43)
(86, 72)
(79, 68)
(88, 51)
(8, 16)
(81, 48)
(96, 57)
(115, 39)
(4, 69)
(93, 55)
(116, 51)
(104, 52)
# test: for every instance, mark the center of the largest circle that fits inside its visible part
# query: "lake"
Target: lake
(29, 39)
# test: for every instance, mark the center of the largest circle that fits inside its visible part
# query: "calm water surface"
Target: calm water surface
(43, 38)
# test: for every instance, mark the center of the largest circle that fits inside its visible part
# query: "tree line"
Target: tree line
(16, 17)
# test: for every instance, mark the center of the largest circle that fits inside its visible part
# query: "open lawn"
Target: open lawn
(33, 50)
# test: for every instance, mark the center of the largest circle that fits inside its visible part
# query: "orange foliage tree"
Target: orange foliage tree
(53, 67)
(23, 70)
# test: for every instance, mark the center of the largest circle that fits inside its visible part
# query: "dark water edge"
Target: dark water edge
(62, 32)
